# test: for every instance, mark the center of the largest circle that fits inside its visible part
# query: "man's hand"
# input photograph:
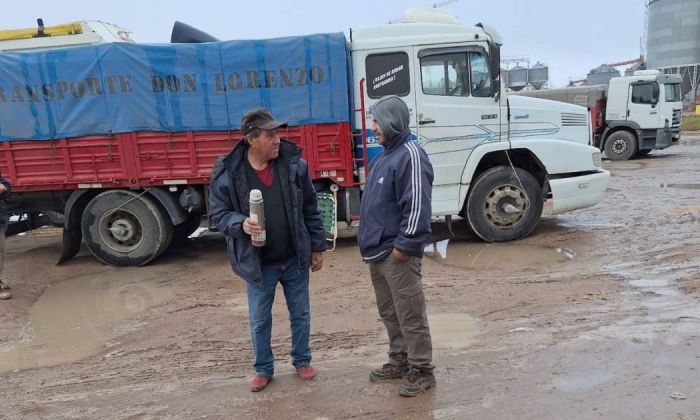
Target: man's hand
(399, 255)
(3, 188)
(316, 261)
(250, 227)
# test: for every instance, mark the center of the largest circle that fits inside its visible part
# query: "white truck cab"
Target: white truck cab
(495, 159)
(631, 115)
(63, 36)
(649, 105)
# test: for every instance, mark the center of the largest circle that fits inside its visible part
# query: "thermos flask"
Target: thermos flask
(257, 214)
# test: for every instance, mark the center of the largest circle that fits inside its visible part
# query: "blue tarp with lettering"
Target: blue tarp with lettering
(120, 87)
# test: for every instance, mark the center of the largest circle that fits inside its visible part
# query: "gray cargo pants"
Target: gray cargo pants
(401, 303)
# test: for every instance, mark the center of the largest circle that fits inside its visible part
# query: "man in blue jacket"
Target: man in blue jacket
(293, 226)
(395, 217)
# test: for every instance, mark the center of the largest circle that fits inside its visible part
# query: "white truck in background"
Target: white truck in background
(631, 115)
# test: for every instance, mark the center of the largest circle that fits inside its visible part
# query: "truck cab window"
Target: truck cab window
(387, 74)
(643, 93)
(445, 75)
(672, 92)
(480, 80)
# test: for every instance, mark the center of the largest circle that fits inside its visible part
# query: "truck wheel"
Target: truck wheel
(500, 209)
(125, 229)
(620, 145)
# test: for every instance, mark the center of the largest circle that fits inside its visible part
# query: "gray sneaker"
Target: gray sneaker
(417, 382)
(388, 371)
(5, 295)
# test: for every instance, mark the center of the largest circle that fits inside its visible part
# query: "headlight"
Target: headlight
(597, 159)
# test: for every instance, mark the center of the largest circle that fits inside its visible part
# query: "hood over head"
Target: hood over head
(393, 117)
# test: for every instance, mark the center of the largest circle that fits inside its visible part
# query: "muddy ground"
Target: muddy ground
(595, 315)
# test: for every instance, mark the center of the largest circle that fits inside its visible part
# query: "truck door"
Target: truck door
(386, 72)
(642, 106)
(456, 112)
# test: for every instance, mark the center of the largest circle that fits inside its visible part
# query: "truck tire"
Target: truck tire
(125, 229)
(497, 188)
(620, 145)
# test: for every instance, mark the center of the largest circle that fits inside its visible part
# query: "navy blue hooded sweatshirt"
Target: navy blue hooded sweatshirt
(395, 209)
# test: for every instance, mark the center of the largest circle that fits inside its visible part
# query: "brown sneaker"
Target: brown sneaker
(388, 371)
(5, 295)
(259, 382)
(417, 382)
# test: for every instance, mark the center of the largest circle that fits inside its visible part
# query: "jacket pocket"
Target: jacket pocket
(374, 237)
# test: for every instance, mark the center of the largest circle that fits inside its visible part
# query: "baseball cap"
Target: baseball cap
(259, 118)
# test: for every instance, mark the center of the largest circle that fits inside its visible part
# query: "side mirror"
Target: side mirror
(495, 68)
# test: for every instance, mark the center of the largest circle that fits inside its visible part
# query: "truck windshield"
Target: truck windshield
(673, 92)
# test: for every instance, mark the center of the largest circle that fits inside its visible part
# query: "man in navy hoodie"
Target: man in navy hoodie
(394, 224)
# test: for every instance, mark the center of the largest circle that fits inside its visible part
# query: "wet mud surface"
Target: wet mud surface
(595, 315)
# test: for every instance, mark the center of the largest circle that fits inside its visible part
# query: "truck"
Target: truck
(63, 36)
(115, 142)
(631, 115)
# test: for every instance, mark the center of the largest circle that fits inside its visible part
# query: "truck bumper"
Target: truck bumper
(576, 192)
(664, 138)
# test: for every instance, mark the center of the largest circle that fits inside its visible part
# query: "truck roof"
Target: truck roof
(420, 26)
(63, 35)
(648, 76)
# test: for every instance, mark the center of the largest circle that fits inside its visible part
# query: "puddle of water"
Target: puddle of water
(682, 186)
(581, 381)
(73, 319)
(452, 330)
(480, 255)
(649, 283)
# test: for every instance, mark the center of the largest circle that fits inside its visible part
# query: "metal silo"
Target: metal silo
(504, 76)
(538, 75)
(601, 75)
(673, 40)
(673, 33)
(517, 78)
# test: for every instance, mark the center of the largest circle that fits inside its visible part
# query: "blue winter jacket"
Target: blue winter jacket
(395, 209)
(228, 208)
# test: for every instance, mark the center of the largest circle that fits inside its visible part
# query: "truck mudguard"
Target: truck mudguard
(122, 87)
(630, 125)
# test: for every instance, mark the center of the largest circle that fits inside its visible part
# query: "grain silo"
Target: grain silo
(601, 75)
(504, 76)
(673, 40)
(538, 75)
(517, 78)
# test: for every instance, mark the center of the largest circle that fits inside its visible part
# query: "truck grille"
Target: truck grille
(676, 118)
(676, 125)
(569, 119)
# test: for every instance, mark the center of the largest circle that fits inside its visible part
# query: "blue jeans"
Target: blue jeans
(295, 284)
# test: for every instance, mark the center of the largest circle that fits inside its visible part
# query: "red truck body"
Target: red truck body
(148, 159)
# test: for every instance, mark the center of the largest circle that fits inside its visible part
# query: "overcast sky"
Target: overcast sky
(571, 36)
